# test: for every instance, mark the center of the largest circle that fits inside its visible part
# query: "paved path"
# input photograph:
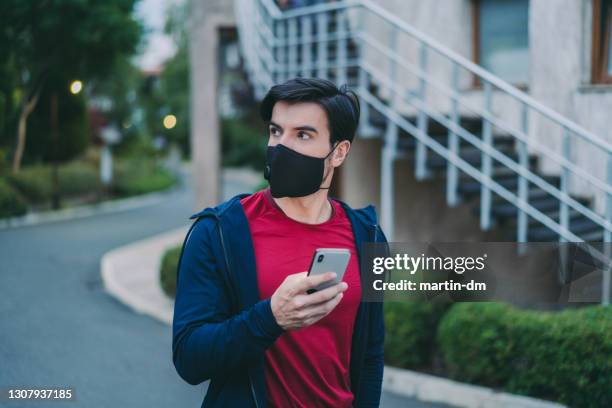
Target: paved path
(59, 328)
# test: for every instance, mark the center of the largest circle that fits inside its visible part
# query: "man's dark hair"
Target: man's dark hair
(340, 104)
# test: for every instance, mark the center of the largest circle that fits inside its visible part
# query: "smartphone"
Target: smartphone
(329, 260)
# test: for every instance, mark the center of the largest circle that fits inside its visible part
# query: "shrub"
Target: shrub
(410, 331)
(4, 161)
(77, 178)
(169, 264)
(140, 176)
(33, 182)
(136, 146)
(563, 356)
(11, 204)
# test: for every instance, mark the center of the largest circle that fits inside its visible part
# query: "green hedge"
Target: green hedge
(169, 264)
(562, 356)
(140, 176)
(11, 203)
(33, 182)
(78, 178)
(410, 329)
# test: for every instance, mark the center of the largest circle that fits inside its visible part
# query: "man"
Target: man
(243, 316)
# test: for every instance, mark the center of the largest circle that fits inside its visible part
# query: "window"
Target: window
(602, 42)
(501, 38)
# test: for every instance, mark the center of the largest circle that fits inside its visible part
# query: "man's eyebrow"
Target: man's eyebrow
(305, 127)
(275, 125)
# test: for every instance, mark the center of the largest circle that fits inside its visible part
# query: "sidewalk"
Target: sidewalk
(131, 274)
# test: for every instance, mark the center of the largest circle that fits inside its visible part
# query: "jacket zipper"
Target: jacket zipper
(230, 282)
(230, 274)
(253, 391)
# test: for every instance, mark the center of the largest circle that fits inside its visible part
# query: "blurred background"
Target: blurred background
(481, 120)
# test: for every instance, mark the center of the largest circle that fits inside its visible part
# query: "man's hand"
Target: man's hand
(293, 308)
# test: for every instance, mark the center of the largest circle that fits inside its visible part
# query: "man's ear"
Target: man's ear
(341, 153)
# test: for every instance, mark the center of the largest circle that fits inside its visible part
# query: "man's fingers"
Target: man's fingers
(321, 310)
(309, 282)
(321, 295)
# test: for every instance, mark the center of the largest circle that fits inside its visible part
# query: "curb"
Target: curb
(430, 388)
(131, 274)
(105, 207)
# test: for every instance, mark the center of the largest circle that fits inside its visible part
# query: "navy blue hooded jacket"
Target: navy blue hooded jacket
(221, 328)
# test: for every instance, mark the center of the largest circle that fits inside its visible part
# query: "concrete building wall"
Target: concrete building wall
(360, 174)
(560, 47)
(555, 51)
(207, 16)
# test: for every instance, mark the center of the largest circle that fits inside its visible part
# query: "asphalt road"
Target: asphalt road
(59, 328)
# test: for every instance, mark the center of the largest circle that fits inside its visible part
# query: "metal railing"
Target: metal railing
(278, 45)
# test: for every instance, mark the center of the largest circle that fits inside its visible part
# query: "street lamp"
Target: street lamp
(169, 121)
(76, 86)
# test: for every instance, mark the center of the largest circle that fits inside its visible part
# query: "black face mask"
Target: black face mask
(293, 174)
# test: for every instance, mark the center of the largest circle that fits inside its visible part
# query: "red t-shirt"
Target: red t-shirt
(308, 367)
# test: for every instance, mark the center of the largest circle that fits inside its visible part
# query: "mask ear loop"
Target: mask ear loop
(331, 151)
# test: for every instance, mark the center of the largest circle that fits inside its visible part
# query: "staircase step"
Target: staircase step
(352, 52)
(472, 187)
(594, 236)
(499, 171)
(474, 157)
(538, 198)
(377, 118)
(408, 142)
(579, 225)
(470, 123)
(554, 214)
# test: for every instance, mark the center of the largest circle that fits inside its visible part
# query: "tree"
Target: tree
(122, 90)
(60, 124)
(47, 43)
(172, 94)
(174, 84)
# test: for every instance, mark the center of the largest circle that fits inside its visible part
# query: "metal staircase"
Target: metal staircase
(480, 153)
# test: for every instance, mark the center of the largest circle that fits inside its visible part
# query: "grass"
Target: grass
(168, 268)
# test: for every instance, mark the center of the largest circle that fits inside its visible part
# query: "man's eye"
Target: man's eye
(303, 135)
(273, 131)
